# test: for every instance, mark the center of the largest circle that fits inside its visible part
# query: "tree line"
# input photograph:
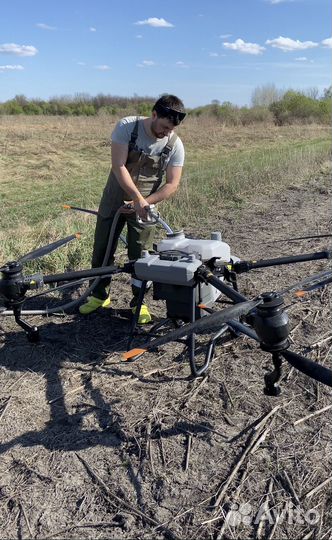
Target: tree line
(78, 105)
(268, 105)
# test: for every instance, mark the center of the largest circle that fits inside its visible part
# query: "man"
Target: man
(147, 161)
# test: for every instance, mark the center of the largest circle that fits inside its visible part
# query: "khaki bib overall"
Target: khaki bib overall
(147, 172)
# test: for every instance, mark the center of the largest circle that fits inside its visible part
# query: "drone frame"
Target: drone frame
(256, 314)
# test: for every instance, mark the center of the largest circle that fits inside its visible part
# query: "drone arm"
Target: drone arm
(207, 276)
(87, 274)
(240, 328)
(245, 266)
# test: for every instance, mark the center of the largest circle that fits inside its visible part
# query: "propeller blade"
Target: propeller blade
(308, 367)
(70, 207)
(300, 238)
(45, 250)
(207, 323)
(93, 212)
(310, 283)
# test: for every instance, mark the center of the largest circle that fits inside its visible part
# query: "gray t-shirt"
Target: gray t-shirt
(150, 145)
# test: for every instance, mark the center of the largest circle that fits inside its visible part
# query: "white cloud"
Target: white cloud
(139, 36)
(225, 36)
(301, 59)
(103, 67)
(44, 26)
(213, 54)
(10, 68)
(18, 50)
(81, 63)
(279, 1)
(154, 21)
(327, 42)
(92, 29)
(243, 47)
(181, 64)
(288, 44)
(146, 63)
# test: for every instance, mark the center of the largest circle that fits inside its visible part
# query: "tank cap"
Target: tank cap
(216, 235)
(176, 234)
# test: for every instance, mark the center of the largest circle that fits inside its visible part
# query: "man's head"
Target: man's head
(167, 113)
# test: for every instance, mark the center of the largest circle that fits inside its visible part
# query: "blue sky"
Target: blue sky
(200, 51)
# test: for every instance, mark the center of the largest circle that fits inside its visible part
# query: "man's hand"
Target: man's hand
(141, 205)
(128, 208)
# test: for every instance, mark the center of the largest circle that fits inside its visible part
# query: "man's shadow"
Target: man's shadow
(80, 340)
(69, 341)
(86, 342)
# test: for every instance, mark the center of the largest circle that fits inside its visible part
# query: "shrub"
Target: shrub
(12, 107)
(32, 108)
(255, 114)
(297, 107)
(144, 109)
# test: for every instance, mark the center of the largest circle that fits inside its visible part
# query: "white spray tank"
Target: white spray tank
(173, 268)
(203, 249)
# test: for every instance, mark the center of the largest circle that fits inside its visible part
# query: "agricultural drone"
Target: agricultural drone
(191, 276)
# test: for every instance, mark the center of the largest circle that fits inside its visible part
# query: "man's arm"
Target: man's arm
(119, 159)
(173, 177)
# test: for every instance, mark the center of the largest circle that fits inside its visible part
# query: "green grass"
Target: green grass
(234, 179)
(49, 162)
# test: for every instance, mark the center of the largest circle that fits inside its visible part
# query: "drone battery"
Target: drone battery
(179, 299)
(170, 269)
(174, 280)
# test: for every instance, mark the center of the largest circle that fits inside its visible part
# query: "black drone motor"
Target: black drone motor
(271, 325)
(13, 287)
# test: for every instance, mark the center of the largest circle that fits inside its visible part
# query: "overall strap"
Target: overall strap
(163, 161)
(167, 150)
(134, 135)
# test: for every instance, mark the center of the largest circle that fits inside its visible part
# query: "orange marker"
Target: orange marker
(129, 355)
(300, 294)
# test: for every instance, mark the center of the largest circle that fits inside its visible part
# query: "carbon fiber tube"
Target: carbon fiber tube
(231, 293)
(246, 266)
(79, 274)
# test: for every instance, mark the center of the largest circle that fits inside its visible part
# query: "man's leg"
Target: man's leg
(101, 239)
(102, 232)
(139, 238)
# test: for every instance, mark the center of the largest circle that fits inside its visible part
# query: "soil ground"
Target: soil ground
(93, 447)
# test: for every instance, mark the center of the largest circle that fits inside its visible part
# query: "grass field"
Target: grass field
(48, 161)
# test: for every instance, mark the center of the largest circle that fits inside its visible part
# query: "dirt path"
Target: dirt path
(95, 448)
